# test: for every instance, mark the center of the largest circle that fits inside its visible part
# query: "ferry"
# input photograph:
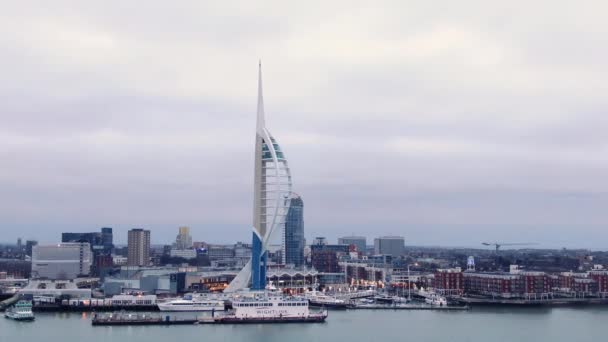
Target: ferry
(322, 300)
(21, 311)
(271, 307)
(193, 302)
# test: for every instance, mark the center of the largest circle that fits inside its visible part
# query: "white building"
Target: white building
(183, 253)
(61, 261)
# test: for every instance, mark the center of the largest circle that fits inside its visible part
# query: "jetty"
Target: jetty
(124, 318)
(401, 306)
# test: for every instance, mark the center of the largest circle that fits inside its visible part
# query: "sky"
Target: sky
(446, 122)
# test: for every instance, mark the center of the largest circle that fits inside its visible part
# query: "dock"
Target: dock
(123, 318)
(534, 302)
(410, 307)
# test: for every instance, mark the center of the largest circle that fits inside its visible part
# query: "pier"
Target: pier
(376, 306)
(122, 318)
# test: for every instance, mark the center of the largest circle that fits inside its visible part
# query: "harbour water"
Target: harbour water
(578, 324)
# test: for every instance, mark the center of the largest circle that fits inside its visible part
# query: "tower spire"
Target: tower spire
(260, 120)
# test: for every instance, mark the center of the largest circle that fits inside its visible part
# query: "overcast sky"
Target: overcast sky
(447, 122)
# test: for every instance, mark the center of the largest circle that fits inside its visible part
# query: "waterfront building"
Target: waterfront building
(601, 277)
(293, 235)
(183, 240)
(362, 272)
(61, 261)
(358, 241)
(271, 197)
(509, 285)
(325, 258)
(449, 281)
(220, 252)
(389, 245)
(54, 288)
(138, 247)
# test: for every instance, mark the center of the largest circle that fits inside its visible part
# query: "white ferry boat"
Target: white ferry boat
(269, 307)
(21, 311)
(193, 302)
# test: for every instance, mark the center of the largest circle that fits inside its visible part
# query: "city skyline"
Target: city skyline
(450, 130)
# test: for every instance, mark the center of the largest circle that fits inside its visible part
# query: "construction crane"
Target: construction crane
(500, 244)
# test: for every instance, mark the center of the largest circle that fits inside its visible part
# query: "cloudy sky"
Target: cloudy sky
(448, 122)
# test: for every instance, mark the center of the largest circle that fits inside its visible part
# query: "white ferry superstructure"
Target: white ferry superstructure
(264, 306)
(193, 302)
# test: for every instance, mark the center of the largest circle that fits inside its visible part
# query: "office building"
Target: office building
(101, 246)
(93, 238)
(183, 240)
(107, 239)
(138, 247)
(325, 258)
(29, 244)
(61, 261)
(358, 241)
(389, 245)
(293, 233)
(271, 197)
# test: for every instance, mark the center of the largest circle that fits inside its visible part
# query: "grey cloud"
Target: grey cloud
(445, 122)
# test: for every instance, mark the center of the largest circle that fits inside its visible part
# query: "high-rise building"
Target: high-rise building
(358, 241)
(271, 194)
(61, 261)
(93, 238)
(19, 245)
(28, 246)
(107, 239)
(389, 245)
(183, 240)
(293, 233)
(138, 247)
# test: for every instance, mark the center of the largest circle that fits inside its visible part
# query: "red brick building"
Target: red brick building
(449, 281)
(601, 277)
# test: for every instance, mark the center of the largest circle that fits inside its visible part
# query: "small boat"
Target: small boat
(21, 311)
(322, 300)
(436, 300)
(390, 299)
(193, 302)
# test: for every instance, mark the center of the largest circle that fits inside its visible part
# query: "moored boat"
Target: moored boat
(193, 302)
(21, 311)
(436, 300)
(269, 307)
(326, 301)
